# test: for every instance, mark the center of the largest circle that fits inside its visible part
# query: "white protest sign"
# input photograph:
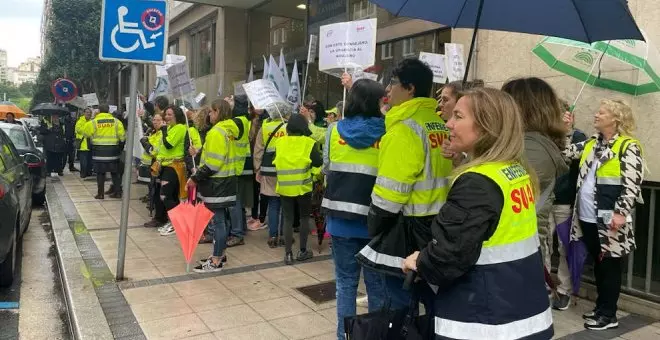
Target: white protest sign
(170, 59)
(78, 102)
(455, 61)
(359, 74)
(112, 108)
(91, 99)
(262, 93)
(437, 63)
(313, 47)
(347, 45)
(179, 80)
(238, 87)
(200, 97)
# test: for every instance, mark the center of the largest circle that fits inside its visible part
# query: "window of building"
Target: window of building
(283, 35)
(203, 52)
(173, 47)
(408, 47)
(363, 9)
(276, 37)
(386, 51)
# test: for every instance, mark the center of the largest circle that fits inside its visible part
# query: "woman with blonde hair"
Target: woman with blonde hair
(483, 258)
(608, 187)
(545, 137)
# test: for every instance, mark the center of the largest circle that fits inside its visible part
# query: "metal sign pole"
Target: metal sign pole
(126, 180)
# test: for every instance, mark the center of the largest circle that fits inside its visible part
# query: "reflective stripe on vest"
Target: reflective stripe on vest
(216, 200)
(293, 166)
(513, 330)
(429, 192)
(219, 156)
(373, 256)
(515, 239)
(267, 128)
(609, 182)
(105, 143)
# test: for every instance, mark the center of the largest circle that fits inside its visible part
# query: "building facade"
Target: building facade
(222, 38)
(4, 69)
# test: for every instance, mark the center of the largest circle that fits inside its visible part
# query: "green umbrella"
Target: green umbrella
(626, 66)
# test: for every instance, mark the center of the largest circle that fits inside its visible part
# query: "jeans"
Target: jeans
(85, 163)
(347, 273)
(607, 272)
(274, 205)
(238, 221)
(219, 225)
(394, 292)
(558, 215)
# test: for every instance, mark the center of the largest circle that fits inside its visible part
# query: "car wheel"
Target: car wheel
(7, 268)
(39, 199)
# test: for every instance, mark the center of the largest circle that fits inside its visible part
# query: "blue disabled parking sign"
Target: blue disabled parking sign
(134, 31)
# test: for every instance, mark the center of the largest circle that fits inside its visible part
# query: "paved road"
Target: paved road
(33, 307)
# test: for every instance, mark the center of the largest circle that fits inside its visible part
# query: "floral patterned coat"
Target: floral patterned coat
(621, 242)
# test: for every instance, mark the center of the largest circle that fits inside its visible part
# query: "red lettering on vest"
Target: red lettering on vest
(279, 134)
(521, 197)
(436, 139)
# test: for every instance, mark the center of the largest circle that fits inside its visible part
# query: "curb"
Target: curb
(85, 313)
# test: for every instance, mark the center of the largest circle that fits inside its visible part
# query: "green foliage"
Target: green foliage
(72, 41)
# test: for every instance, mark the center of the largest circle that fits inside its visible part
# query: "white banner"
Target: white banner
(262, 93)
(347, 46)
(91, 99)
(79, 102)
(293, 97)
(180, 82)
(455, 61)
(437, 63)
(170, 59)
(313, 47)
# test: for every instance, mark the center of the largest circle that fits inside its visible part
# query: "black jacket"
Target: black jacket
(54, 138)
(468, 218)
(565, 187)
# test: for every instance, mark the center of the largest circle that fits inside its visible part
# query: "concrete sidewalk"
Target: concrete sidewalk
(256, 297)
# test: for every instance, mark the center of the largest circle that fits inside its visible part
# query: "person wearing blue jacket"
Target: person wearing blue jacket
(351, 165)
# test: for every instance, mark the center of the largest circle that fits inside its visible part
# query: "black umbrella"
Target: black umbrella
(582, 20)
(49, 109)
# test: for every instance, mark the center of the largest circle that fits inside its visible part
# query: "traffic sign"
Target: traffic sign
(134, 31)
(64, 90)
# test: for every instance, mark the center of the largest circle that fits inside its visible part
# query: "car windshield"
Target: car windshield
(17, 135)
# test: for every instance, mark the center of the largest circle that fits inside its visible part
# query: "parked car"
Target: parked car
(15, 205)
(33, 157)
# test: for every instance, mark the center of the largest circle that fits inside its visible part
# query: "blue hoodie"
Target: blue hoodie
(359, 133)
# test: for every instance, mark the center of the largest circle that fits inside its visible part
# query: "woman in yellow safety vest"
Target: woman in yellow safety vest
(151, 146)
(482, 257)
(170, 159)
(83, 146)
(216, 182)
(296, 155)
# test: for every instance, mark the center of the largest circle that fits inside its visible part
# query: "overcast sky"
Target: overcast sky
(20, 27)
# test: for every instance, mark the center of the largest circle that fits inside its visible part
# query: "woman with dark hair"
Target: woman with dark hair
(545, 137)
(171, 161)
(312, 111)
(296, 155)
(351, 162)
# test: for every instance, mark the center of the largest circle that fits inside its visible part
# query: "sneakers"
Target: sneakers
(590, 314)
(601, 322)
(167, 230)
(208, 267)
(561, 302)
(206, 238)
(255, 224)
(223, 259)
(288, 258)
(304, 255)
(235, 241)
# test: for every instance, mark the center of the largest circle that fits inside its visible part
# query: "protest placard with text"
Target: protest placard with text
(347, 46)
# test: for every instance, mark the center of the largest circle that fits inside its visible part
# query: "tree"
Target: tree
(72, 41)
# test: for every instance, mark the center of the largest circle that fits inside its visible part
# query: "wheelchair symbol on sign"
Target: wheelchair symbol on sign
(132, 28)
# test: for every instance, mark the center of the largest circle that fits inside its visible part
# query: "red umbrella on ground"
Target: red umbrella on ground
(189, 221)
